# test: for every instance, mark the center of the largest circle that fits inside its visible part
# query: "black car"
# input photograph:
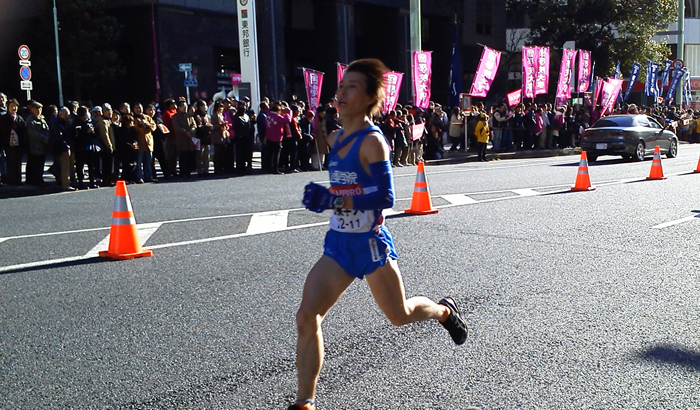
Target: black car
(633, 136)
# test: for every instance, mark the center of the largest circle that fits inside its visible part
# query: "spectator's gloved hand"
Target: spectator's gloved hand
(317, 198)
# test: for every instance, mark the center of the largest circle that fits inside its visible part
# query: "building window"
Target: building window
(484, 17)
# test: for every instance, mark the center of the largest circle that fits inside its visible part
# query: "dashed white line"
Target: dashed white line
(676, 222)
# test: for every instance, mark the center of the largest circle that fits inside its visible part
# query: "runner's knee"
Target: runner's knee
(307, 321)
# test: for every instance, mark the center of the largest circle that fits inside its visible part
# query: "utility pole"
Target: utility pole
(58, 55)
(415, 27)
(680, 47)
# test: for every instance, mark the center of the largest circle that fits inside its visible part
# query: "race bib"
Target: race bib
(352, 220)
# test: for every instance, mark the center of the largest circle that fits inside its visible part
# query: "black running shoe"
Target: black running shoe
(454, 323)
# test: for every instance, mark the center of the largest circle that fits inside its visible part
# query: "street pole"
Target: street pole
(58, 55)
(679, 52)
(415, 27)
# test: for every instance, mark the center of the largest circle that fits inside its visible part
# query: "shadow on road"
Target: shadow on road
(80, 262)
(673, 355)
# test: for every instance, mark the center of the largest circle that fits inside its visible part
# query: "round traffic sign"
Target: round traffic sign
(25, 73)
(678, 64)
(24, 52)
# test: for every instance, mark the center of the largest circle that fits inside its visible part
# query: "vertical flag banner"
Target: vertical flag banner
(664, 75)
(529, 62)
(596, 91)
(686, 89)
(542, 70)
(340, 70)
(565, 72)
(584, 70)
(313, 80)
(611, 89)
(248, 36)
(488, 67)
(677, 75)
(650, 84)
(455, 73)
(422, 71)
(617, 73)
(392, 85)
(515, 97)
(634, 75)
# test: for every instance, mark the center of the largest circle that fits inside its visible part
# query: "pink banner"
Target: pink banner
(542, 70)
(340, 70)
(584, 70)
(422, 70)
(565, 73)
(611, 88)
(515, 97)
(417, 132)
(392, 85)
(488, 67)
(313, 80)
(529, 63)
(596, 90)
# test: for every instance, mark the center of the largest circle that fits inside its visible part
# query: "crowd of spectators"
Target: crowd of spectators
(185, 139)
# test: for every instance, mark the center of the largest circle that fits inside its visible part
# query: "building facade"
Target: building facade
(157, 35)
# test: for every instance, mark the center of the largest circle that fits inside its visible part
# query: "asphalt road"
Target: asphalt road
(575, 299)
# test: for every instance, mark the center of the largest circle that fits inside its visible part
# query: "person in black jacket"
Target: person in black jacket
(245, 134)
(127, 147)
(86, 148)
(307, 138)
(60, 142)
(13, 140)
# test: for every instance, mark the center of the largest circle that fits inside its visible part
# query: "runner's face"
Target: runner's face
(352, 96)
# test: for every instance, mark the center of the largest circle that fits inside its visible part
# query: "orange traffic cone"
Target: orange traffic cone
(698, 167)
(123, 239)
(583, 180)
(657, 172)
(420, 204)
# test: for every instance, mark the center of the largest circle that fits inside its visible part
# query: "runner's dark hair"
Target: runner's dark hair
(374, 71)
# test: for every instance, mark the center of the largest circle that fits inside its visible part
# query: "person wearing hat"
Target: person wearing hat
(482, 135)
(38, 136)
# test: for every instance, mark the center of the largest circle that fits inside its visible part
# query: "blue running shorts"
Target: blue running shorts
(360, 253)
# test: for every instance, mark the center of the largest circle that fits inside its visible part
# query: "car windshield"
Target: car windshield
(615, 122)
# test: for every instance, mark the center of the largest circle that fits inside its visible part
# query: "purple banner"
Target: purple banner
(584, 70)
(422, 70)
(488, 67)
(565, 73)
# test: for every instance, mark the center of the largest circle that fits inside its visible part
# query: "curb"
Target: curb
(462, 157)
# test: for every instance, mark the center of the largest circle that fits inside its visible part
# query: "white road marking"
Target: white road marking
(526, 192)
(459, 199)
(144, 232)
(267, 222)
(676, 222)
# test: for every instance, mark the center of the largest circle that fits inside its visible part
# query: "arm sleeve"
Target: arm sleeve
(383, 197)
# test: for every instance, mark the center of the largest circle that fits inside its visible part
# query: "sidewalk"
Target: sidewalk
(450, 158)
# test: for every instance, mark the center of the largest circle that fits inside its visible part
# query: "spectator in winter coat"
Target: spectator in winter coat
(59, 142)
(105, 133)
(274, 132)
(13, 141)
(184, 128)
(38, 138)
(145, 126)
(482, 136)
